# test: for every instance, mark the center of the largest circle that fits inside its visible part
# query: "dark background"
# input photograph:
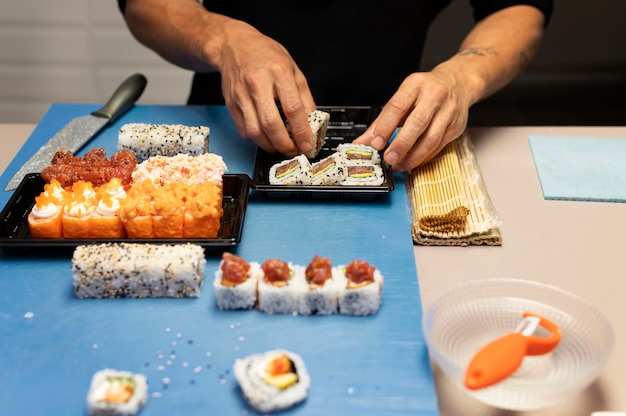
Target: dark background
(578, 77)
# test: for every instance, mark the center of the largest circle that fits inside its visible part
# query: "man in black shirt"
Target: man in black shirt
(250, 55)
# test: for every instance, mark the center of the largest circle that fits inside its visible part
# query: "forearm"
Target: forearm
(182, 32)
(497, 49)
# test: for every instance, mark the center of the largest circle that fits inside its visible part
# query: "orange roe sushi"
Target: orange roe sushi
(104, 221)
(203, 210)
(77, 212)
(168, 221)
(137, 210)
(45, 218)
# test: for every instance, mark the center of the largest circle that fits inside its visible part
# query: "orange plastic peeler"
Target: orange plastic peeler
(501, 357)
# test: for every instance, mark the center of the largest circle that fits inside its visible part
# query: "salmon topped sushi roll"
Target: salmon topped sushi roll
(77, 212)
(45, 219)
(169, 216)
(203, 210)
(137, 210)
(280, 287)
(105, 223)
(235, 283)
(320, 295)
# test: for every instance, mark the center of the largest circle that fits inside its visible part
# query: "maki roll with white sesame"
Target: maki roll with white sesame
(321, 288)
(280, 287)
(272, 381)
(318, 120)
(146, 140)
(353, 153)
(363, 175)
(235, 283)
(361, 291)
(295, 171)
(329, 171)
(115, 270)
(116, 393)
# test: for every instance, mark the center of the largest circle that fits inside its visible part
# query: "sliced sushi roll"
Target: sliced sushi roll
(318, 120)
(279, 287)
(322, 287)
(358, 153)
(364, 175)
(45, 220)
(329, 171)
(235, 283)
(77, 212)
(146, 140)
(116, 393)
(272, 381)
(361, 290)
(295, 171)
(104, 221)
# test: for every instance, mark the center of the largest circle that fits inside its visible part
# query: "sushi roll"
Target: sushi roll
(364, 175)
(77, 212)
(329, 171)
(358, 153)
(320, 295)
(318, 120)
(104, 221)
(45, 220)
(116, 393)
(295, 171)
(146, 140)
(203, 210)
(235, 283)
(272, 381)
(116, 270)
(169, 218)
(160, 170)
(279, 287)
(361, 291)
(137, 210)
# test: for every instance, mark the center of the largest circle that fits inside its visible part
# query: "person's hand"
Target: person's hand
(432, 110)
(257, 73)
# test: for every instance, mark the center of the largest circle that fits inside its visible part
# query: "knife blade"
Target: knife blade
(75, 134)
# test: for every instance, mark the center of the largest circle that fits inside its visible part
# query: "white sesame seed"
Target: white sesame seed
(185, 364)
(350, 390)
(161, 368)
(166, 380)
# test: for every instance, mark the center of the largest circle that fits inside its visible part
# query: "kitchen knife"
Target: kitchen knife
(80, 130)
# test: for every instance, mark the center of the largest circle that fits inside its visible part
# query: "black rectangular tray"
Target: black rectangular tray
(346, 124)
(15, 237)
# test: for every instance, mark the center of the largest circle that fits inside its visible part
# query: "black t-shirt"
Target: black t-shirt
(352, 53)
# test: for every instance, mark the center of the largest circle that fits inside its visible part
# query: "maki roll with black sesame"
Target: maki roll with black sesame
(147, 140)
(272, 381)
(295, 171)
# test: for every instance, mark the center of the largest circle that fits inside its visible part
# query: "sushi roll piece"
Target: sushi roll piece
(358, 153)
(279, 287)
(272, 381)
(318, 120)
(122, 270)
(364, 175)
(322, 288)
(137, 210)
(146, 140)
(361, 291)
(45, 219)
(329, 171)
(116, 393)
(169, 218)
(235, 283)
(295, 171)
(77, 212)
(203, 210)
(104, 221)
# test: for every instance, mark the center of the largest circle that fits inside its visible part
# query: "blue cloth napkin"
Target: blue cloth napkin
(581, 168)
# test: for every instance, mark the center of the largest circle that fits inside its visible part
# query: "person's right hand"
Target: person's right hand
(257, 74)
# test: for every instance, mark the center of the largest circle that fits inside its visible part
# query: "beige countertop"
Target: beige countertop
(574, 245)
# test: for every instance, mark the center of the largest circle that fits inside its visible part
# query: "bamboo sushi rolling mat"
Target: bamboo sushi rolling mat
(449, 201)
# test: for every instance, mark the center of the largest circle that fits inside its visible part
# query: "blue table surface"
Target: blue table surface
(358, 365)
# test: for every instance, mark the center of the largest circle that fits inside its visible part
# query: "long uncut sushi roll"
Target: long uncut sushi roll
(331, 170)
(279, 287)
(146, 140)
(115, 270)
(361, 292)
(353, 153)
(295, 171)
(272, 381)
(235, 283)
(322, 287)
(116, 393)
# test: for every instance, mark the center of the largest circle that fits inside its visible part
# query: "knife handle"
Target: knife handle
(123, 98)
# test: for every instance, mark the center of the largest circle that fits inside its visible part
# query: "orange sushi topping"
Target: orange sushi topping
(279, 365)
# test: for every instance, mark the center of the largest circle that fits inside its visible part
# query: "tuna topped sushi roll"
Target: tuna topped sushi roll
(272, 381)
(361, 291)
(235, 282)
(295, 171)
(320, 295)
(116, 393)
(279, 287)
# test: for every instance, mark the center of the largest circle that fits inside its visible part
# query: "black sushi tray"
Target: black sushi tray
(15, 237)
(346, 124)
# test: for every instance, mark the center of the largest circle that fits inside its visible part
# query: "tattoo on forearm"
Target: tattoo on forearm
(479, 51)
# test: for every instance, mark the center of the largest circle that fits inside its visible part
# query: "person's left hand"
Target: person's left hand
(432, 108)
